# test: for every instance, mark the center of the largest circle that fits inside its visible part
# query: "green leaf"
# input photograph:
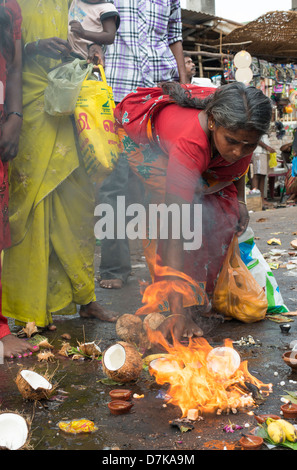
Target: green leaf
(292, 396)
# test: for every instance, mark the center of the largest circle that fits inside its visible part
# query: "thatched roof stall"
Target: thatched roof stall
(202, 37)
(271, 37)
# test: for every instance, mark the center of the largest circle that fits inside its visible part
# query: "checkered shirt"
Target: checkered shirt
(140, 55)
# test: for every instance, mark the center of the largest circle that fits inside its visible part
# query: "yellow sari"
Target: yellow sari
(50, 266)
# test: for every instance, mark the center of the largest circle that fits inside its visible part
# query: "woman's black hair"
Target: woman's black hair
(6, 33)
(233, 106)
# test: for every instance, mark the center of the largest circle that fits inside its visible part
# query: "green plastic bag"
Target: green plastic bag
(64, 84)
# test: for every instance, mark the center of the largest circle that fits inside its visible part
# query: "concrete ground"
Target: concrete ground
(83, 393)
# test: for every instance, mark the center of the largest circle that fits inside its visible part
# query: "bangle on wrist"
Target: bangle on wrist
(20, 115)
(36, 44)
(241, 202)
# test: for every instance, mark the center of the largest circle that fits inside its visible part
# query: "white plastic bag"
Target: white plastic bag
(261, 271)
(64, 85)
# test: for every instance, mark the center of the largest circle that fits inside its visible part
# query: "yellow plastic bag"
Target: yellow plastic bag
(77, 426)
(272, 160)
(95, 124)
(237, 294)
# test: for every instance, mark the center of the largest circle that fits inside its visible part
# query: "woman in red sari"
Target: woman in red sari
(10, 127)
(193, 145)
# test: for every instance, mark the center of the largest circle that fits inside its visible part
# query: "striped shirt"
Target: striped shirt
(140, 55)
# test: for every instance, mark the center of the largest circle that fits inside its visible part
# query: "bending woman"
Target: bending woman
(192, 145)
(50, 266)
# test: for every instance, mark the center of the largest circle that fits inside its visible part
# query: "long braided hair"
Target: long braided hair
(6, 32)
(233, 106)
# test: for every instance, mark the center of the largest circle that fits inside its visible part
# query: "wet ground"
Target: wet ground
(82, 394)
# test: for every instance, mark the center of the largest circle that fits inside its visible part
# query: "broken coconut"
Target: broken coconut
(33, 386)
(122, 362)
(89, 349)
(29, 330)
(129, 328)
(46, 356)
(153, 320)
(14, 431)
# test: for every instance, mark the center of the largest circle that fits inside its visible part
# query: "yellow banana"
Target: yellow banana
(276, 432)
(151, 357)
(289, 430)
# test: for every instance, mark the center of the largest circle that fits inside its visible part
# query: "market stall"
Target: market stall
(271, 42)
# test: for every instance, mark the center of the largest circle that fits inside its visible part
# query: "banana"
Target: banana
(289, 430)
(276, 432)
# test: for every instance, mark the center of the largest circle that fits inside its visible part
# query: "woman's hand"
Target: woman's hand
(96, 55)
(243, 220)
(179, 326)
(55, 48)
(9, 140)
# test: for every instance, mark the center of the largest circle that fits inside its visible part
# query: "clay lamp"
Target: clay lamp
(250, 442)
(119, 407)
(289, 410)
(290, 359)
(120, 394)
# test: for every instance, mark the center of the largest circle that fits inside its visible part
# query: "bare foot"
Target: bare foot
(16, 347)
(111, 283)
(93, 310)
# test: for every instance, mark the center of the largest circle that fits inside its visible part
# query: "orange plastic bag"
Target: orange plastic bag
(237, 294)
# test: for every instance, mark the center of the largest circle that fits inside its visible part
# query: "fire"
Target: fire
(198, 382)
(167, 280)
(198, 377)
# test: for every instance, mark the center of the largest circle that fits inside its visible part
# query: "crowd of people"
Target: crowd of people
(48, 238)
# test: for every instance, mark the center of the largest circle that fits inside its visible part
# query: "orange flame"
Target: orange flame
(174, 281)
(193, 385)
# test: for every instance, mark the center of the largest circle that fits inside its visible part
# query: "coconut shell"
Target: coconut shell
(129, 328)
(89, 349)
(153, 320)
(29, 393)
(28, 422)
(130, 370)
(46, 356)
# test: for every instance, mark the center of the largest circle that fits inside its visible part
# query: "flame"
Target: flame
(194, 385)
(172, 280)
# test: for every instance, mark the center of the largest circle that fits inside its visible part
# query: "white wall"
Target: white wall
(204, 6)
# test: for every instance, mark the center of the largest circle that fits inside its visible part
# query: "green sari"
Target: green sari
(49, 267)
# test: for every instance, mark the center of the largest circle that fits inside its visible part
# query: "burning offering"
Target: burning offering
(204, 378)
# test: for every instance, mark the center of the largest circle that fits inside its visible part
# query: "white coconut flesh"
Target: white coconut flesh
(163, 365)
(13, 431)
(115, 357)
(223, 361)
(36, 380)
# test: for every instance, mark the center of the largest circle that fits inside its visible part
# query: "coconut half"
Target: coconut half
(14, 431)
(122, 362)
(33, 386)
(223, 361)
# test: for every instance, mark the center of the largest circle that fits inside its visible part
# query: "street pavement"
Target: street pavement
(83, 393)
